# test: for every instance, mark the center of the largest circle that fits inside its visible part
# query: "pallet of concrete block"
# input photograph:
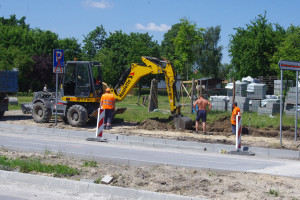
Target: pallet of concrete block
(277, 85)
(256, 91)
(290, 109)
(254, 105)
(241, 89)
(229, 88)
(242, 103)
(269, 107)
(291, 96)
(219, 103)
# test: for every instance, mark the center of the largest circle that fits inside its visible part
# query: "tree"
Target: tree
(120, 50)
(167, 45)
(288, 49)
(71, 48)
(252, 48)
(93, 42)
(208, 53)
(178, 45)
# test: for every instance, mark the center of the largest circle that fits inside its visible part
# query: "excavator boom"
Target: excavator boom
(151, 66)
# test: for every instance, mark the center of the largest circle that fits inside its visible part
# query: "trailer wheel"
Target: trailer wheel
(1, 114)
(77, 115)
(40, 113)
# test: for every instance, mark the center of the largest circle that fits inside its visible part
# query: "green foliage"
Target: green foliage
(28, 165)
(252, 48)
(93, 42)
(288, 49)
(274, 192)
(121, 50)
(71, 48)
(188, 36)
(208, 54)
(87, 163)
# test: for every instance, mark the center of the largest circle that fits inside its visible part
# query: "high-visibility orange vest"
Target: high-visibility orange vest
(235, 112)
(107, 101)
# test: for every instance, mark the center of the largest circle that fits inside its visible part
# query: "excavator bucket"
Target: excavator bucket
(118, 111)
(183, 122)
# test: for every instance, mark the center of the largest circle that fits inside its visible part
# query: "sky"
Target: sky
(76, 18)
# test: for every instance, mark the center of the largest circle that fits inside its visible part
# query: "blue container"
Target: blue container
(8, 81)
(196, 109)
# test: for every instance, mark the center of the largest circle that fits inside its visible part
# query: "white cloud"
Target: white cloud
(153, 27)
(98, 4)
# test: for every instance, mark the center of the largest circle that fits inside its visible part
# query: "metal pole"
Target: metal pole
(192, 96)
(281, 106)
(56, 99)
(296, 119)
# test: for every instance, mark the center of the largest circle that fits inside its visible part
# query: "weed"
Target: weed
(47, 152)
(274, 192)
(211, 173)
(87, 163)
(98, 180)
(28, 165)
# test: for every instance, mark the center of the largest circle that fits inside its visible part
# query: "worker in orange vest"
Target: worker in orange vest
(235, 111)
(107, 103)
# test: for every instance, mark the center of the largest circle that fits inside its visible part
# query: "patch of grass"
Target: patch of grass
(87, 163)
(28, 165)
(98, 180)
(137, 113)
(21, 99)
(274, 192)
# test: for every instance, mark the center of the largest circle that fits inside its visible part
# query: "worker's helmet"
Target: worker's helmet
(107, 90)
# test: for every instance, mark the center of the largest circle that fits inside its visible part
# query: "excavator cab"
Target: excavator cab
(82, 79)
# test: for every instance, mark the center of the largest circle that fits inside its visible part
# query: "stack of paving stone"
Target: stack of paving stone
(242, 103)
(256, 91)
(277, 85)
(219, 103)
(291, 96)
(272, 107)
(229, 88)
(254, 105)
(241, 89)
(290, 109)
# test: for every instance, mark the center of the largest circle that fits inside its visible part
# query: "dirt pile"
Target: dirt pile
(158, 124)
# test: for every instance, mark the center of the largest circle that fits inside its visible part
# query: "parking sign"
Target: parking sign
(58, 61)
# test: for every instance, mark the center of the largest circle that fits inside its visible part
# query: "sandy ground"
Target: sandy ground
(219, 131)
(175, 180)
(178, 180)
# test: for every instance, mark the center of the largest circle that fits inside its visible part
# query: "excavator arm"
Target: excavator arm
(151, 66)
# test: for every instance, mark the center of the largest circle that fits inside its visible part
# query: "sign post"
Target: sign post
(291, 66)
(58, 67)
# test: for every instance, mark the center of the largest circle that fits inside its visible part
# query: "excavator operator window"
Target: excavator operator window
(70, 79)
(83, 87)
(97, 80)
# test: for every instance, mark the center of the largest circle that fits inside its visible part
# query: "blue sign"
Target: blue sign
(58, 61)
(289, 65)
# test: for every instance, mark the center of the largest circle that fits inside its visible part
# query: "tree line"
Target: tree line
(195, 52)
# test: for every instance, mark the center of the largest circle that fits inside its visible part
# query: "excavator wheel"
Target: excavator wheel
(77, 115)
(40, 113)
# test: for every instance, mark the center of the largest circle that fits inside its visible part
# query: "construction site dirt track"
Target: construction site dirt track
(174, 180)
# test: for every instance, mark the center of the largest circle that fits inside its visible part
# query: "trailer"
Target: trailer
(8, 84)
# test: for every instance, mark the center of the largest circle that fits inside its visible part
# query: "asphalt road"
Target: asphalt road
(139, 155)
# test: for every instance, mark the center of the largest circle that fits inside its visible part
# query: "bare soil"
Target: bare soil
(219, 131)
(178, 180)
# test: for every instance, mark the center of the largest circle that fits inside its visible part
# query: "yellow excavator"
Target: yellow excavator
(83, 87)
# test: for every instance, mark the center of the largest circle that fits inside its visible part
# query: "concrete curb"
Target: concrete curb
(150, 142)
(85, 187)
